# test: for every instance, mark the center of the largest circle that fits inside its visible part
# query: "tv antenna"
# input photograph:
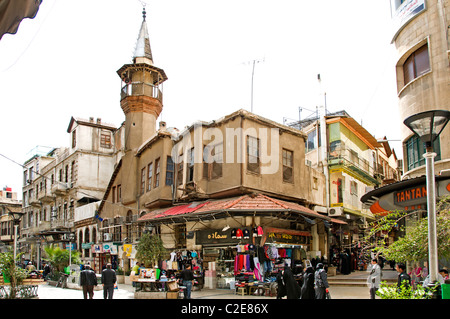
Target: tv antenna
(253, 62)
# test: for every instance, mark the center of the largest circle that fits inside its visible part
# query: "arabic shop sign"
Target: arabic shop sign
(217, 236)
(287, 236)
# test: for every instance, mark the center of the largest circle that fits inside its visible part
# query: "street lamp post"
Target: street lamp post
(428, 125)
(16, 216)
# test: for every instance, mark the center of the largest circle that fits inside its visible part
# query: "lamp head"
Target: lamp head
(428, 125)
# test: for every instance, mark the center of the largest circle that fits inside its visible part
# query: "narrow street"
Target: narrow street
(350, 286)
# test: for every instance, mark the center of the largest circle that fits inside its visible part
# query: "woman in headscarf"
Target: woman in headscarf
(292, 287)
(281, 288)
(320, 282)
(307, 291)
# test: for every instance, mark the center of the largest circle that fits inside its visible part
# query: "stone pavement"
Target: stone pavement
(340, 290)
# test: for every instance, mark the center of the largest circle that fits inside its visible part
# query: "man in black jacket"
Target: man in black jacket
(403, 277)
(108, 281)
(88, 280)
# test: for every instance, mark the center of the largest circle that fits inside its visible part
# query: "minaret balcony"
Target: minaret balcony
(140, 88)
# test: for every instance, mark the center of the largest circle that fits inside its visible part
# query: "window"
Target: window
(340, 190)
(311, 141)
(416, 64)
(415, 149)
(157, 171)
(180, 167)
(212, 161)
(353, 188)
(149, 176)
(170, 168)
(105, 140)
(143, 181)
(114, 194)
(74, 138)
(288, 166)
(119, 193)
(190, 165)
(253, 154)
(72, 172)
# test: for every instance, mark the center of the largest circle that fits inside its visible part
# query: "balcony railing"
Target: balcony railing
(140, 88)
(342, 156)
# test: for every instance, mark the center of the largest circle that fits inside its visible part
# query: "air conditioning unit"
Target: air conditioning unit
(336, 211)
(107, 237)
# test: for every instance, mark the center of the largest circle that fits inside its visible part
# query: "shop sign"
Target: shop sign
(127, 248)
(86, 245)
(110, 248)
(286, 236)
(71, 246)
(411, 196)
(97, 249)
(219, 237)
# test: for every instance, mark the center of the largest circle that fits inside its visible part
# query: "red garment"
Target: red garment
(239, 233)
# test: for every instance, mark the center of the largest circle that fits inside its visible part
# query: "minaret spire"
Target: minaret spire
(143, 49)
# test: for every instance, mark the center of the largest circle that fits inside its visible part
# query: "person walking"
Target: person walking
(108, 280)
(88, 280)
(281, 287)
(403, 277)
(292, 287)
(374, 278)
(320, 282)
(307, 291)
(187, 278)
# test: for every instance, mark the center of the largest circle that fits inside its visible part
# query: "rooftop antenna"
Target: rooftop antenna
(253, 75)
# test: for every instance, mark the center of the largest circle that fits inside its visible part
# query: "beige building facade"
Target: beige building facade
(60, 181)
(182, 184)
(421, 38)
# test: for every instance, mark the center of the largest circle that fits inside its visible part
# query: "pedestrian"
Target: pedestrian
(187, 278)
(444, 273)
(281, 287)
(46, 270)
(307, 291)
(292, 287)
(374, 278)
(88, 280)
(320, 282)
(403, 277)
(108, 280)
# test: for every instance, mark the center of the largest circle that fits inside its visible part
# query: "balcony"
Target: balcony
(45, 196)
(60, 188)
(60, 223)
(342, 157)
(140, 88)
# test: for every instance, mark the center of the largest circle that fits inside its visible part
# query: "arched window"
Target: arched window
(87, 240)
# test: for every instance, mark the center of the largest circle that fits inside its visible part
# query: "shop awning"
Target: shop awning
(243, 205)
(408, 195)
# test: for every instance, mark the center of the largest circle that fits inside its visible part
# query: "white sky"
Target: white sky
(63, 63)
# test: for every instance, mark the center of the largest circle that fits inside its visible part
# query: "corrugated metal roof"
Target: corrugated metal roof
(243, 203)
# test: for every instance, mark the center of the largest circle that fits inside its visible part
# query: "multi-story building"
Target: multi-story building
(421, 38)
(60, 181)
(353, 162)
(8, 204)
(240, 171)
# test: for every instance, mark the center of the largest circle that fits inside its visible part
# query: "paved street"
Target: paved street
(127, 291)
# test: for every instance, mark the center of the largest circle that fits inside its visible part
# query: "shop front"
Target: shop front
(102, 254)
(219, 249)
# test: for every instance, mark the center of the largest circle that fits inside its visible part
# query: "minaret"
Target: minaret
(141, 96)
